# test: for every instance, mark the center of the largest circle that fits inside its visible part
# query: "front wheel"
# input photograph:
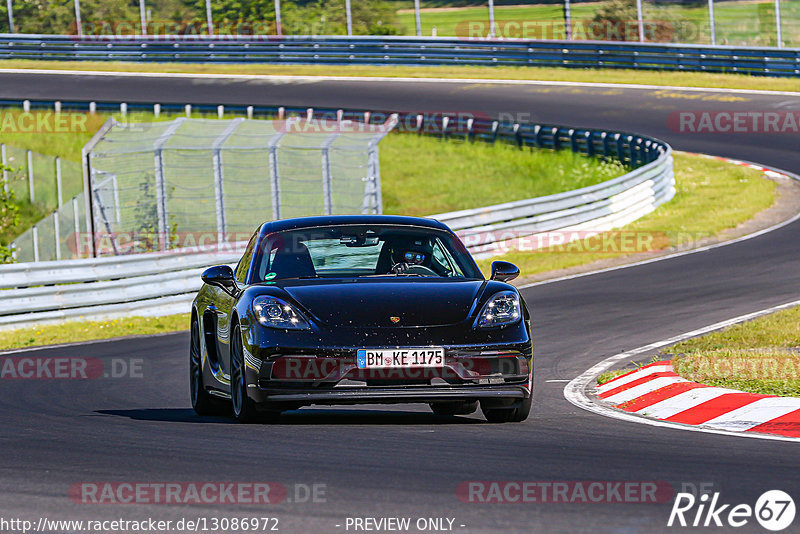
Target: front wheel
(515, 413)
(244, 409)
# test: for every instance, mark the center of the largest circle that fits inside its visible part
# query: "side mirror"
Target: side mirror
(502, 271)
(219, 276)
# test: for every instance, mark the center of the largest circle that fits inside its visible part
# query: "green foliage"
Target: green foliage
(9, 217)
(660, 24)
(147, 233)
(245, 17)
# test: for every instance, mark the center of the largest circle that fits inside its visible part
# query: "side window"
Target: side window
(442, 256)
(244, 263)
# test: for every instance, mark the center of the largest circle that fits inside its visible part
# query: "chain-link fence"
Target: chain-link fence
(200, 182)
(56, 237)
(49, 184)
(726, 22)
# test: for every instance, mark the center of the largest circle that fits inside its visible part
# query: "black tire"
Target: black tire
(244, 409)
(202, 402)
(516, 413)
(454, 408)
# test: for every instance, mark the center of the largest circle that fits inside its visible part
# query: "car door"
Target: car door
(225, 303)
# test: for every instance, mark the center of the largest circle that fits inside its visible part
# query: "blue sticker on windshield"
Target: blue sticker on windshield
(270, 276)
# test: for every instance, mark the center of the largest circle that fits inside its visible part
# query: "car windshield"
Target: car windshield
(363, 251)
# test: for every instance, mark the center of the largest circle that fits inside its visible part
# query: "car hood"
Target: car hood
(370, 302)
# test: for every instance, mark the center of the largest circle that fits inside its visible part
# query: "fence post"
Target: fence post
(274, 176)
(327, 180)
(77, 226)
(57, 239)
(219, 177)
(640, 20)
(58, 182)
(349, 16)
(78, 22)
(35, 236)
(417, 18)
(10, 16)
(161, 194)
(4, 162)
(568, 20)
(491, 19)
(209, 22)
(278, 29)
(712, 22)
(143, 17)
(779, 30)
(375, 175)
(31, 195)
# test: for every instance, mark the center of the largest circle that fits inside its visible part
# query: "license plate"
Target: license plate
(400, 358)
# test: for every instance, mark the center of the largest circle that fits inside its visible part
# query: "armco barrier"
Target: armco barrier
(405, 51)
(159, 283)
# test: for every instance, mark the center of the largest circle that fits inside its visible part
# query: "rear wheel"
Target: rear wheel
(515, 413)
(202, 402)
(454, 408)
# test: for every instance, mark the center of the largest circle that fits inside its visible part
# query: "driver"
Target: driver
(406, 253)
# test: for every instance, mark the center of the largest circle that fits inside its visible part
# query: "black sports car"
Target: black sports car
(360, 309)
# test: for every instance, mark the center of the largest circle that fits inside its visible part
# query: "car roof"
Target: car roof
(336, 220)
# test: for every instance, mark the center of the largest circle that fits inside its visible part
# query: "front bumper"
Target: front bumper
(315, 376)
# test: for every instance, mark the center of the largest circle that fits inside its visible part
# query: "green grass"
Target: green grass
(424, 175)
(661, 79)
(608, 375)
(781, 329)
(711, 196)
(751, 356)
(614, 373)
(73, 331)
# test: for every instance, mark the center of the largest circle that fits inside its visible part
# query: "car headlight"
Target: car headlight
(275, 313)
(500, 310)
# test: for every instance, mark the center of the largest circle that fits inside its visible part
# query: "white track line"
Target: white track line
(636, 375)
(685, 252)
(575, 391)
(679, 403)
(643, 389)
(754, 414)
(491, 81)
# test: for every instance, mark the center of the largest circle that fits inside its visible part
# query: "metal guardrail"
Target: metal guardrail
(405, 51)
(597, 208)
(165, 282)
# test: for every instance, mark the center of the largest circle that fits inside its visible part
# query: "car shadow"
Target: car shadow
(307, 416)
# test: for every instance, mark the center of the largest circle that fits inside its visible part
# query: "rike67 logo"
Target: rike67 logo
(774, 510)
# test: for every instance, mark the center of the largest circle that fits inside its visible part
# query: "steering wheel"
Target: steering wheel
(404, 268)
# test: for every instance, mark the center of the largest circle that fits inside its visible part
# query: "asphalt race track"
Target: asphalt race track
(402, 461)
